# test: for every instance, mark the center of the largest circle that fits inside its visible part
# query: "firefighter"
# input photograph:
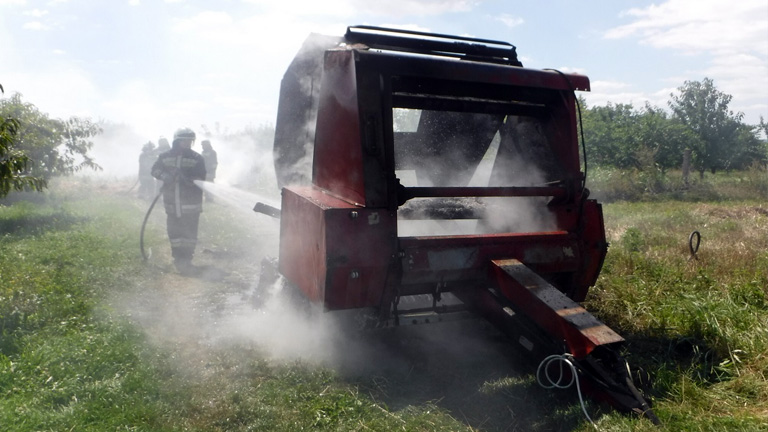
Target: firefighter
(146, 181)
(211, 162)
(177, 169)
(162, 147)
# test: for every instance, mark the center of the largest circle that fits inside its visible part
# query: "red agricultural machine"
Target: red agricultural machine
(421, 166)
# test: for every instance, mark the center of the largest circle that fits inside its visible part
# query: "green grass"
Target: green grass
(699, 324)
(73, 357)
(70, 359)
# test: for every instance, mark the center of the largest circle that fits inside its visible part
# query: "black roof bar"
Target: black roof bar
(434, 44)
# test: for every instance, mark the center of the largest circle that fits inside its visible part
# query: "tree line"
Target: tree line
(699, 129)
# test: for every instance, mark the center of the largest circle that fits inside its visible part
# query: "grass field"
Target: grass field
(94, 339)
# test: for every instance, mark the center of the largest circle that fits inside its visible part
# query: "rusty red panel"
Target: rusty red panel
(594, 250)
(338, 160)
(562, 318)
(335, 252)
(483, 72)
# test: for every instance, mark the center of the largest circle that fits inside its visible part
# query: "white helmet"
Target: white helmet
(184, 133)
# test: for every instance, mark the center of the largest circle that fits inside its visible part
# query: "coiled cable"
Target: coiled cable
(564, 360)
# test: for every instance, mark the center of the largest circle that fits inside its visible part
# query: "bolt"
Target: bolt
(353, 214)
(354, 274)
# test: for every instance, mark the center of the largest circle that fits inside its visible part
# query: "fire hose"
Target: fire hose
(134, 185)
(149, 212)
(144, 225)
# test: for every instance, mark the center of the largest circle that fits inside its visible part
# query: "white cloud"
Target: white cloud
(35, 26)
(734, 36)
(617, 92)
(414, 7)
(61, 91)
(510, 20)
(699, 25)
(37, 13)
(347, 8)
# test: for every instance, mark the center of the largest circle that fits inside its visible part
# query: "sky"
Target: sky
(158, 65)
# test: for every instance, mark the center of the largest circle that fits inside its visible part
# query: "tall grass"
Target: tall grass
(698, 322)
(651, 184)
(72, 359)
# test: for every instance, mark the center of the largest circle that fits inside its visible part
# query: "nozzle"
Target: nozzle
(266, 209)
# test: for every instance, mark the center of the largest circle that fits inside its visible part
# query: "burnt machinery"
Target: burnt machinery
(418, 165)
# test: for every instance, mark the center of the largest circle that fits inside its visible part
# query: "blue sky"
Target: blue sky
(158, 65)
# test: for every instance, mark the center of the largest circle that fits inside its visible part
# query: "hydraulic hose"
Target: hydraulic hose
(134, 185)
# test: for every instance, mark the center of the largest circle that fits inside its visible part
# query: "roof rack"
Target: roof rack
(484, 50)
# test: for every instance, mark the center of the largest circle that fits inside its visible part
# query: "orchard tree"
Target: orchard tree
(52, 147)
(609, 132)
(663, 138)
(704, 109)
(13, 162)
(621, 136)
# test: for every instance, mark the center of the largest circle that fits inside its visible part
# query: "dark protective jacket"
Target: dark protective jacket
(178, 168)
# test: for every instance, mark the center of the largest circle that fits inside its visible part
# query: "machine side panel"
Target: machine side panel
(338, 159)
(360, 245)
(302, 242)
(336, 253)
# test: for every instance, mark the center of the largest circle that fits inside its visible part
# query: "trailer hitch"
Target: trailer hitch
(590, 346)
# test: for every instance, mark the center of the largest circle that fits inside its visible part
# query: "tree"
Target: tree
(610, 139)
(13, 162)
(663, 138)
(704, 109)
(52, 147)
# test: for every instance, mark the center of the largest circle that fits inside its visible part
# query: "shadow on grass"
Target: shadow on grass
(476, 374)
(26, 224)
(467, 368)
(676, 356)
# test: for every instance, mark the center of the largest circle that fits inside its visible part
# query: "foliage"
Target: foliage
(53, 147)
(13, 163)
(623, 137)
(651, 139)
(724, 142)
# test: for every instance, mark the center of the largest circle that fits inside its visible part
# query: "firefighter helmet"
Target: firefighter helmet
(184, 133)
